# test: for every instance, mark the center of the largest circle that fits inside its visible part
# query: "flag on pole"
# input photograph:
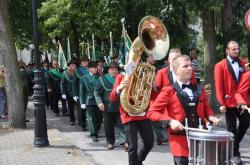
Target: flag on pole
(125, 45)
(81, 46)
(93, 48)
(46, 56)
(61, 58)
(68, 51)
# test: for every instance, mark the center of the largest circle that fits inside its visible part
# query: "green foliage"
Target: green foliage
(21, 21)
(79, 19)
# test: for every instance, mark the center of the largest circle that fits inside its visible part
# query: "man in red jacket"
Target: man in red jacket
(177, 102)
(227, 76)
(243, 91)
(133, 124)
(166, 76)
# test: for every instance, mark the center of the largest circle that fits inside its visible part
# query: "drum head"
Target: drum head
(214, 135)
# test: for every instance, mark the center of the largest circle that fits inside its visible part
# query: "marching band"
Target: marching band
(177, 102)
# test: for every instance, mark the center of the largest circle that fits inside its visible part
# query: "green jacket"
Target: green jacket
(54, 80)
(79, 72)
(26, 82)
(103, 88)
(87, 87)
(68, 84)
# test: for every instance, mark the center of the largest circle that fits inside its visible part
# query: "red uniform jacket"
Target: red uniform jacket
(162, 79)
(226, 84)
(167, 106)
(243, 91)
(125, 117)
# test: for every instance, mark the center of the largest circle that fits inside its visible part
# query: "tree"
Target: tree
(209, 50)
(8, 58)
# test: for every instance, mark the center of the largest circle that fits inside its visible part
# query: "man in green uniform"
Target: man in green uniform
(53, 84)
(110, 110)
(79, 72)
(87, 99)
(68, 84)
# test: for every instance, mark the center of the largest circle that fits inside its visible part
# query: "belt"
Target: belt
(179, 133)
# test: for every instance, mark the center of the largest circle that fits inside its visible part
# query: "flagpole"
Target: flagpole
(111, 44)
(82, 49)
(93, 48)
(88, 52)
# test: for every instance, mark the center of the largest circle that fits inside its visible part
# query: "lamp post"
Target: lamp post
(41, 137)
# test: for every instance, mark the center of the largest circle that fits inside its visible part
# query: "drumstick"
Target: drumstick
(196, 129)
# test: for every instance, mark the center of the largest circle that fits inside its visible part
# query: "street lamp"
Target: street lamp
(41, 136)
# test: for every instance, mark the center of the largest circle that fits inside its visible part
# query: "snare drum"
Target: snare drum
(213, 148)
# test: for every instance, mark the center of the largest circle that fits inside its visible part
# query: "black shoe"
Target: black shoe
(84, 129)
(27, 120)
(160, 142)
(94, 139)
(236, 160)
(65, 114)
(72, 123)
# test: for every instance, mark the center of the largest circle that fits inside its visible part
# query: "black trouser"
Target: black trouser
(110, 118)
(25, 97)
(99, 119)
(50, 100)
(231, 119)
(180, 160)
(71, 102)
(144, 127)
(161, 133)
(81, 115)
(56, 97)
(92, 116)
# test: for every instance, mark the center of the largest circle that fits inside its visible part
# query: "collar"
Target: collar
(230, 59)
(171, 68)
(180, 83)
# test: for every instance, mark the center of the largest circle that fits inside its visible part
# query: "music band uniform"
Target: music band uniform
(133, 125)
(111, 112)
(226, 85)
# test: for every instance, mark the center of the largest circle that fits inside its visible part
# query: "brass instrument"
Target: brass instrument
(154, 40)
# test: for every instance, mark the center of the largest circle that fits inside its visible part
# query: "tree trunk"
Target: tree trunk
(226, 22)
(209, 50)
(8, 58)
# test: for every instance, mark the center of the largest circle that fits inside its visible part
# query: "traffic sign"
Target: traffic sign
(247, 19)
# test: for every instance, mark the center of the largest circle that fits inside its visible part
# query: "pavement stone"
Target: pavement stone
(69, 145)
(16, 148)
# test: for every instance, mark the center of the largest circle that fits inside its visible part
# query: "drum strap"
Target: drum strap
(189, 106)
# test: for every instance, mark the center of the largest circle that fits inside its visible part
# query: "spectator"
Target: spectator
(3, 96)
(196, 64)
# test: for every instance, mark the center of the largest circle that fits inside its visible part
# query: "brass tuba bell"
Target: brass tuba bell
(154, 40)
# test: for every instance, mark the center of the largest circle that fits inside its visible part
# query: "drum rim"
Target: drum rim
(211, 136)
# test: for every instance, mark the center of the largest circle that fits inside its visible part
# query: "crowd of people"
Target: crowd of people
(93, 91)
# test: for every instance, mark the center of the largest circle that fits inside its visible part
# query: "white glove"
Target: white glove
(75, 98)
(121, 66)
(83, 106)
(64, 96)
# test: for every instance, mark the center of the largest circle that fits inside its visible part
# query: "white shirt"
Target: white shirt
(187, 90)
(235, 67)
(173, 74)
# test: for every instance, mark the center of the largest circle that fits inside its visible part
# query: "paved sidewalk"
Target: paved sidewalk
(70, 146)
(16, 149)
